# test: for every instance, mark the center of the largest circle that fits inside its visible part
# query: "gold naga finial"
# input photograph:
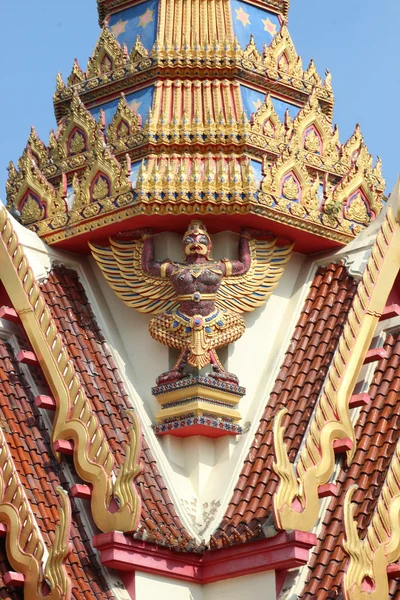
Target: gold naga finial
(370, 557)
(331, 420)
(75, 420)
(24, 543)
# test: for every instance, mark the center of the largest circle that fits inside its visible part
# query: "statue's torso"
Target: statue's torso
(189, 279)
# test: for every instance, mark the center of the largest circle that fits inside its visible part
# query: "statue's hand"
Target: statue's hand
(256, 233)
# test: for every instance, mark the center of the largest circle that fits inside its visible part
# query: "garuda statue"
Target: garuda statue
(198, 302)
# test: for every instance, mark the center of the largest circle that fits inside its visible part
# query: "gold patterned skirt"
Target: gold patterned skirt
(198, 334)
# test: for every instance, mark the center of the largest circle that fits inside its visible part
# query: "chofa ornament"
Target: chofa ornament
(198, 302)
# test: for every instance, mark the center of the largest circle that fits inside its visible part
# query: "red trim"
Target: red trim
(390, 311)
(27, 357)
(11, 578)
(328, 489)
(280, 577)
(64, 447)
(305, 242)
(9, 314)
(80, 490)
(281, 552)
(46, 402)
(359, 400)
(374, 354)
(393, 571)
(343, 445)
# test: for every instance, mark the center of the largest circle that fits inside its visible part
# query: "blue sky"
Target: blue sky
(355, 39)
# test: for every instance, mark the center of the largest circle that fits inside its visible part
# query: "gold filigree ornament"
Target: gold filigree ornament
(107, 55)
(290, 188)
(296, 502)
(28, 183)
(100, 189)
(31, 211)
(312, 143)
(75, 419)
(87, 132)
(77, 143)
(24, 541)
(101, 168)
(357, 210)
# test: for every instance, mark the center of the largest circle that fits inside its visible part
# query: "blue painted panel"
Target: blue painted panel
(140, 101)
(135, 172)
(252, 100)
(140, 19)
(257, 168)
(249, 19)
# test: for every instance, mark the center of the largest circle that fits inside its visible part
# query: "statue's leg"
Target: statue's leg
(176, 372)
(219, 371)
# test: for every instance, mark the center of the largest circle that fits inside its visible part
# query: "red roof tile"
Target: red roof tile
(377, 434)
(67, 300)
(297, 388)
(29, 444)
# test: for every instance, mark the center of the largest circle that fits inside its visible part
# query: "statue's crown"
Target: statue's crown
(196, 227)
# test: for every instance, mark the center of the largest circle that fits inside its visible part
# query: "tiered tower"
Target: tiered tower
(195, 107)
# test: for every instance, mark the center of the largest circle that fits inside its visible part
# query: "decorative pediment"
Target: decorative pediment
(355, 197)
(77, 75)
(311, 131)
(251, 56)
(102, 181)
(30, 193)
(288, 178)
(107, 56)
(125, 123)
(281, 56)
(266, 122)
(311, 75)
(38, 149)
(351, 149)
(139, 56)
(76, 134)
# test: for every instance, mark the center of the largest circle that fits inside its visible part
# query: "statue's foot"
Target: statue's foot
(224, 376)
(170, 377)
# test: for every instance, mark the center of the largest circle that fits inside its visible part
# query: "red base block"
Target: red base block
(328, 489)
(46, 402)
(3, 530)
(79, 490)
(27, 358)
(374, 354)
(191, 430)
(9, 314)
(359, 400)
(390, 311)
(14, 579)
(393, 571)
(342, 445)
(64, 447)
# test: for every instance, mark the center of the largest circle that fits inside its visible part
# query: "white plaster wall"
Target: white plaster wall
(260, 586)
(154, 587)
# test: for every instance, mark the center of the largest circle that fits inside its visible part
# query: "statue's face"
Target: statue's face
(197, 244)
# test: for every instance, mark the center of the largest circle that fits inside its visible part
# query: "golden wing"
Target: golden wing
(121, 264)
(244, 293)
